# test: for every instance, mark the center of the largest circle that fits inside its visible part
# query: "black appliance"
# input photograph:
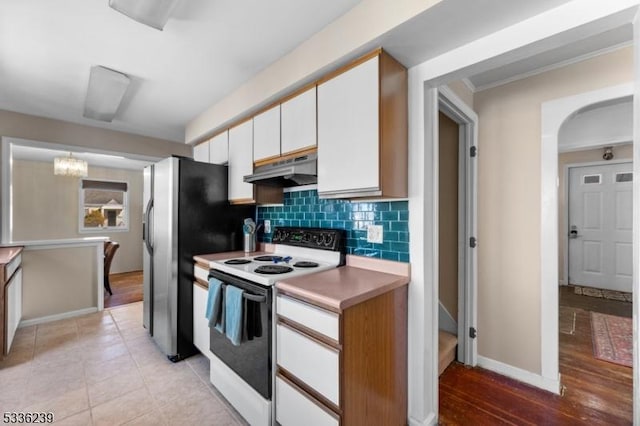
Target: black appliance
(187, 213)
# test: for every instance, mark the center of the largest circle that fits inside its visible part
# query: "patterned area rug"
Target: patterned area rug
(567, 321)
(606, 294)
(612, 338)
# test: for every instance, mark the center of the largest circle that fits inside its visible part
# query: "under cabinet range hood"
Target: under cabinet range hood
(296, 171)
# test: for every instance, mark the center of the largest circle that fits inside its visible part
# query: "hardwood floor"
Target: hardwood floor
(596, 392)
(126, 288)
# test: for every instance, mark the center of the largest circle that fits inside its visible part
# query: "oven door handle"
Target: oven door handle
(249, 289)
(254, 298)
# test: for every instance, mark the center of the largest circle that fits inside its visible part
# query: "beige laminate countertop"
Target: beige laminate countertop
(7, 254)
(340, 288)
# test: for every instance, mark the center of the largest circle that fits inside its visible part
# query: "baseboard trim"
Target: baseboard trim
(429, 421)
(57, 317)
(521, 375)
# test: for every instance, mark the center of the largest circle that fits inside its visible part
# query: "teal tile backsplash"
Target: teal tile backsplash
(304, 208)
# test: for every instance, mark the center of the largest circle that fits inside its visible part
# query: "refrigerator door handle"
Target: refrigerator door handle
(147, 221)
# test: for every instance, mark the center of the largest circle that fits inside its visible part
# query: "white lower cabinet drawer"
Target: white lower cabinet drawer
(294, 408)
(201, 273)
(317, 365)
(312, 317)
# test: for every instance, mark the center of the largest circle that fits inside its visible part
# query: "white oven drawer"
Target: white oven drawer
(317, 365)
(294, 408)
(317, 319)
(201, 273)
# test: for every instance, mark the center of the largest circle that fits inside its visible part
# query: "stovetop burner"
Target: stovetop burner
(268, 258)
(272, 269)
(305, 264)
(237, 261)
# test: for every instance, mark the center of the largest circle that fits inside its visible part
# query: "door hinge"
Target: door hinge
(473, 242)
(473, 332)
(473, 151)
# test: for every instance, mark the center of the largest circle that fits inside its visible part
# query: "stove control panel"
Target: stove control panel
(315, 238)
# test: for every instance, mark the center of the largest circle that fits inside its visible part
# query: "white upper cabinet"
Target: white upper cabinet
(362, 131)
(348, 134)
(201, 152)
(219, 148)
(266, 134)
(240, 162)
(298, 121)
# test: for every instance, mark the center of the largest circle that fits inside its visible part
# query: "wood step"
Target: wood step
(447, 344)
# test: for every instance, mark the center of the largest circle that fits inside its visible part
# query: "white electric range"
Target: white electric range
(244, 374)
(285, 262)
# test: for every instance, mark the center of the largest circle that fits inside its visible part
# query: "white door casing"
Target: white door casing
(600, 226)
(451, 105)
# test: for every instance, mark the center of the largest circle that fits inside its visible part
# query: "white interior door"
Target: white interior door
(600, 226)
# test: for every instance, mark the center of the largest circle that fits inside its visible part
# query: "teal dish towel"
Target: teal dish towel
(214, 305)
(234, 314)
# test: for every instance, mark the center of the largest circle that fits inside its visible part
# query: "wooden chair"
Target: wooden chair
(110, 248)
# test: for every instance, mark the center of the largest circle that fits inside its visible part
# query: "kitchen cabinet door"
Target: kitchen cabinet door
(240, 162)
(219, 148)
(348, 131)
(14, 306)
(201, 152)
(200, 322)
(266, 134)
(298, 121)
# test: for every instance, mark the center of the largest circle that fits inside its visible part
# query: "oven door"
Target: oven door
(251, 360)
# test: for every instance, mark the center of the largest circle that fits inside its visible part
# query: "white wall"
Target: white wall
(338, 41)
(509, 218)
(30, 127)
(608, 124)
(45, 207)
(50, 276)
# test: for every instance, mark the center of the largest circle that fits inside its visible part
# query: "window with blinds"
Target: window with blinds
(103, 205)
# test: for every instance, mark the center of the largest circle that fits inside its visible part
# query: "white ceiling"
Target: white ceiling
(552, 58)
(210, 47)
(207, 48)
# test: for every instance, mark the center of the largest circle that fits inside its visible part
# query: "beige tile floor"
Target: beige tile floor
(103, 369)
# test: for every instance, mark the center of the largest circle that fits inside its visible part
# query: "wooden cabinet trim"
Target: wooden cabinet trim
(286, 156)
(201, 284)
(309, 301)
(293, 94)
(393, 130)
(202, 265)
(319, 338)
(309, 393)
(352, 64)
(243, 201)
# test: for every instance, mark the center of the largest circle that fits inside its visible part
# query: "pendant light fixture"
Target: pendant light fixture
(70, 166)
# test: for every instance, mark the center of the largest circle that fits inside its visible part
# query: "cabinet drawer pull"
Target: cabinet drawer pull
(310, 393)
(309, 333)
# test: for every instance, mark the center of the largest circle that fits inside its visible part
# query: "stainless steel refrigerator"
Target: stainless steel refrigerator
(187, 213)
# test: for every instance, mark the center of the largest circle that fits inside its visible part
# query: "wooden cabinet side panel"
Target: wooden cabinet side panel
(3, 312)
(394, 155)
(374, 383)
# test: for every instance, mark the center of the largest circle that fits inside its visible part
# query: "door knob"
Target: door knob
(573, 233)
